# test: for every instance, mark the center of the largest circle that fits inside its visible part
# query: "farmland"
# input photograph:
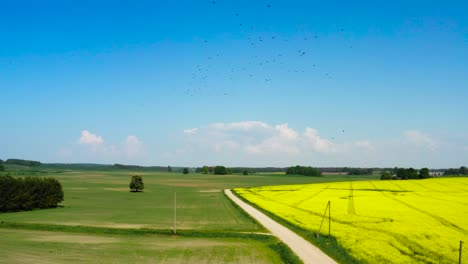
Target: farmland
(414, 221)
(102, 199)
(101, 221)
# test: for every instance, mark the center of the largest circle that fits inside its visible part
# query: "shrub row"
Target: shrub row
(21, 194)
(302, 170)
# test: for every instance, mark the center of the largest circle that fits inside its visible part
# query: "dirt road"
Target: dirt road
(307, 252)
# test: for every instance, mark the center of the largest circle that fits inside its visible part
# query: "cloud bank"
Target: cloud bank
(94, 144)
(257, 143)
(252, 141)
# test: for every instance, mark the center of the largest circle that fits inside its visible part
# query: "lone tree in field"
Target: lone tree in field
(245, 172)
(136, 184)
(185, 171)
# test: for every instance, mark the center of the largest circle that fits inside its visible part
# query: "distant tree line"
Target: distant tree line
(405, 174)
(216, 170)
(2, 168)
(461, 171)
(349, 170)
(29, 163)
(257, 170)
(240, 170)
(303, 170)
(22, 194)
(142, 168)
(358, 171)
(243, 170)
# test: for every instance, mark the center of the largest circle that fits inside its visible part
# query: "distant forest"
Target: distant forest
(236, 170)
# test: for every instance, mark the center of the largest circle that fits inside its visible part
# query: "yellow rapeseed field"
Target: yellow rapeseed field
(412, 221)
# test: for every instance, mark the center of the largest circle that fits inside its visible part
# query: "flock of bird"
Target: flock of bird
(257, 68)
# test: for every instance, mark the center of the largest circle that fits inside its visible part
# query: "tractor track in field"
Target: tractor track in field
(435, 191)
(312, 196)
(351, 208)
(441, 220)
(307, 252)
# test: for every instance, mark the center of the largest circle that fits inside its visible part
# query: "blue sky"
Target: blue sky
(269, 83)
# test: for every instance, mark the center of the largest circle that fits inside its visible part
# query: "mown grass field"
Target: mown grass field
(27, 246)
(101, 199)
(414, 221)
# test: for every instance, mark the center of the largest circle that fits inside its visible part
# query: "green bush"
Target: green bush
(21, 194)
(185, 171)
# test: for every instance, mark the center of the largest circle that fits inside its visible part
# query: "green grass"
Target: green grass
(26, 246)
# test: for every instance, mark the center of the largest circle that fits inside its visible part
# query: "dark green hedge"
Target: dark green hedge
(29, 163)
(303, 170)
(21, 194)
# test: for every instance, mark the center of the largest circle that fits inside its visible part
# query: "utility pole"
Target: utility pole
(329, 218)
(175, 212)
(323, 218)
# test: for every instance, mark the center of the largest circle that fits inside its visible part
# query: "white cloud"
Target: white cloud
(283, 140)
(318, 143)
(133, 146)
(420, 139)
(259, 138)
(130, 148)
(191, 131)
(286, 132)
(88, 138)
(365, 145)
